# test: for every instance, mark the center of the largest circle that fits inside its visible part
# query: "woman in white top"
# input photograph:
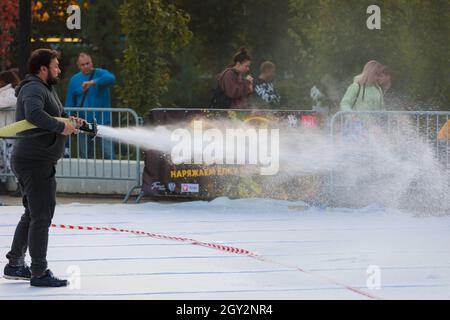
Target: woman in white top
(8, 81)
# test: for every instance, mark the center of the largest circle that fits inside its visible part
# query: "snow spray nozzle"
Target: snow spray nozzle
(89, 128)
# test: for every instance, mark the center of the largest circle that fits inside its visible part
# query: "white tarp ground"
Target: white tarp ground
(335, 246)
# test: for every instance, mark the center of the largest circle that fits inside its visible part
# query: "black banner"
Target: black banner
(163, 178)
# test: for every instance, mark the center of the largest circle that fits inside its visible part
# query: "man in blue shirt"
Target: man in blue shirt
(90, 88)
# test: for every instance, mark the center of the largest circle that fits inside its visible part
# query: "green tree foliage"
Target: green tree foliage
(100, 35)
(308, 40)
(219, 29)
(424, 52)
(190, 81)
(49, 21)
(154, 32)
(216, 24)
(332, 38)
(101, 29)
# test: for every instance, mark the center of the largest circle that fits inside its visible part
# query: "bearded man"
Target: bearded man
(33, 161)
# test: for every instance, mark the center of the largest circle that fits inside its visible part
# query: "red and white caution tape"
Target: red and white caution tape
(161, 236)
(217, 247)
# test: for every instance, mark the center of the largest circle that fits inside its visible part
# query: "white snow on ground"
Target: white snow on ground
(334, 246)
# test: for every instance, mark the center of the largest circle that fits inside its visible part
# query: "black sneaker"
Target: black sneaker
(17, 273)
(48, 280)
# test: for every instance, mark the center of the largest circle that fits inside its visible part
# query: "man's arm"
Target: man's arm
(34, 112)
(104, 77)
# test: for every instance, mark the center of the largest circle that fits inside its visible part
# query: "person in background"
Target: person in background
(233, 90)
(443, 147)
(90, 88)
(265, 94)
(8, 81)
(365, 93)
(326, 97)
(33, 162)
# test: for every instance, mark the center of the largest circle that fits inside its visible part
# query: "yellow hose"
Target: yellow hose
(13, 129)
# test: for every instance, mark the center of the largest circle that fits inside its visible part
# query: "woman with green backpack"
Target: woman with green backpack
(366, 93)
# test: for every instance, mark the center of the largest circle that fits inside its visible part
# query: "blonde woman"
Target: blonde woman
(365, 93)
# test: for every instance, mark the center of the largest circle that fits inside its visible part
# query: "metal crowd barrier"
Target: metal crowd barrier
(7, 116)
(88, 158)
(96, 159)
(102, 158)
(430, 126)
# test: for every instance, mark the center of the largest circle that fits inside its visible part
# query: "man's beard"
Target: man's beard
(51, 80)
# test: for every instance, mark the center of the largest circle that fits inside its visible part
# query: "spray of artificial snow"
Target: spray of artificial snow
(157, 138)
(397, 171)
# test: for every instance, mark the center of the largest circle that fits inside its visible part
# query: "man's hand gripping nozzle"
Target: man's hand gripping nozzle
(89, 128)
